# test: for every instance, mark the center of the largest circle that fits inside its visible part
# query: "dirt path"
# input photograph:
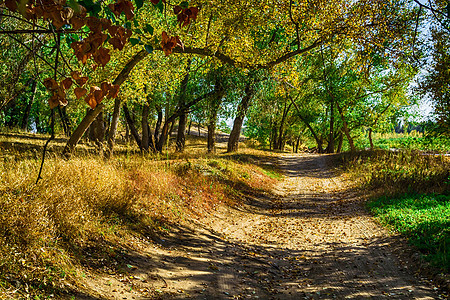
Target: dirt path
(312, 240)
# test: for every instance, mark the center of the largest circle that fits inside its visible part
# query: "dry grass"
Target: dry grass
(399, 172)
(86, 210)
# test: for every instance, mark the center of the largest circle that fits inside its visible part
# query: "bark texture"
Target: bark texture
(233, 142)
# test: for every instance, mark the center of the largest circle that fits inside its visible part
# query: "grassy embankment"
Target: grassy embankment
(407, 141)
(411, 195)
(86, 212)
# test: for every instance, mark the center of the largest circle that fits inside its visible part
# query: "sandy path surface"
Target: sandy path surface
(312, 240)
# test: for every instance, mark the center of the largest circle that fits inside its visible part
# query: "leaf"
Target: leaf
(134, 41)
(81, 81)
(50, 84)
(184, 4)
(67, 83)
(177, 9)
(139, 3)
(75, 75)
(98, 93)
(102, 56)
(53, 101)
(80, 92)
(160, 6)
(148, 29)
(148, 48)
(113, 90)
(90, 100)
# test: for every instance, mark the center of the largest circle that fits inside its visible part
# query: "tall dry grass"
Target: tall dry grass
(86, 210)
(399, 172)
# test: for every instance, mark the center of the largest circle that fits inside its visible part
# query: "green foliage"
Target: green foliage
(424, 219)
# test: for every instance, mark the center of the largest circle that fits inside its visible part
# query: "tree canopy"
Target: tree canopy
(285, 70)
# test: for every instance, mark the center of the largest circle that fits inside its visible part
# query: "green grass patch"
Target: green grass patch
(272, 173)
(400, 141)
(424, 219)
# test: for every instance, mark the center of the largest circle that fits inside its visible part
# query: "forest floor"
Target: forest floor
(311, 239)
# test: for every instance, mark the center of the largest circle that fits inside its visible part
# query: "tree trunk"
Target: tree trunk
(64, 121)
(319, 141)
(127, 132)
(164, 135)
(189, 127)
(297, 144)
(169, 121)
(113, 128)
(233, 141)
(346, 130)
(97, 129)
(26, 115)
(157, 127)
(132, 127)
(286, 109)
(212, 127)
(273, 136)
(328, 87)
(370, 139)
(181, 134)
(214, 110)
(97, 132)
(81, 129)
(341, 141)
(330, 146)
(123, 75)
(145, 128)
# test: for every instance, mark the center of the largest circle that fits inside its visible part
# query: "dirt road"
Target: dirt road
(312, 240)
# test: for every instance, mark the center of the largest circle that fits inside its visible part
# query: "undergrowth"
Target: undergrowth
(411, 193)
(399, 172)
(86, 211)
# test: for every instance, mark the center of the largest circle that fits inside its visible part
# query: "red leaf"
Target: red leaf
(102, 56)
(67, 83)
(82, 80)
(50, 84)
(12, 5)
(177, 9)
(98, 93)
(53, 101)
(113, 90)
(80, 92)
(90, 100)
(75, 75)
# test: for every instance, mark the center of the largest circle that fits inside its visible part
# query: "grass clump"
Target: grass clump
(424, 219)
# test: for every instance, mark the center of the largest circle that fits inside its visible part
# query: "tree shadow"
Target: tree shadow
(216, 268)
